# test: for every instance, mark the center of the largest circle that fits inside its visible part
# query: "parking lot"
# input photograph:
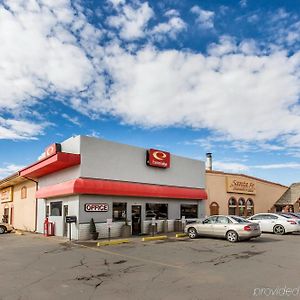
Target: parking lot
(34, 267)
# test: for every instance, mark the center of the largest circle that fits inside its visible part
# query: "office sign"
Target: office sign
(96, 207)
(158, 158)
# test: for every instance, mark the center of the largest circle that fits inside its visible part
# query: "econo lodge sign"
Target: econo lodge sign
(158, 158)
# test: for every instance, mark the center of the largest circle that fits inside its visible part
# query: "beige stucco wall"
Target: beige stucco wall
(24, 210)
(265, 197)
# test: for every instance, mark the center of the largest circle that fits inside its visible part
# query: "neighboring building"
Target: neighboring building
(239, 194)
(92, 178)
(289, 201)
(18, 202)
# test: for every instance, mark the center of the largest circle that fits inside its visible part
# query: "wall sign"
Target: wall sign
(240, 185)
(52, 149)
(158, 158)
(71, 219)
(96, 207)
(6, 194)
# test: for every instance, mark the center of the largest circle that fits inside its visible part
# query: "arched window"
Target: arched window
(232, 206)
(24, 192)
(249, 207)
(242, 207)
(214, 208)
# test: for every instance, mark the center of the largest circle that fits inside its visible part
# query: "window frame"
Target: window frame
(152, 209)
(123, 217)
(24, 192)
(188, 205)
(60, 209)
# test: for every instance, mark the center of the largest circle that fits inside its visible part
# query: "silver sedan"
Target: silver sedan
(232, 228)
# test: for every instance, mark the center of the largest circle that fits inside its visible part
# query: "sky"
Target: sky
(188, 77)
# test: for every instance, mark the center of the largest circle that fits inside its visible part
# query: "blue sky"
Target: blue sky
(183, 76)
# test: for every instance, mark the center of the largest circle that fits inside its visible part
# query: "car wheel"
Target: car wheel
(2, 229)
(192, 233)
(279, 229)
(232, 236)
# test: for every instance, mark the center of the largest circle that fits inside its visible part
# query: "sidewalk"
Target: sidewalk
(132, 239)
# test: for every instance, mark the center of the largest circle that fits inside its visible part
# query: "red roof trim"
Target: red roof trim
(57, 162)
(119, 188)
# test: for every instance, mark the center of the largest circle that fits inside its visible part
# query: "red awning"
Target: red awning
(59, 161)
(119, 188)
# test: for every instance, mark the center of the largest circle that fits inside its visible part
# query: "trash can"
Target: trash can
(178, 226)
(165, 226)
(152, 229)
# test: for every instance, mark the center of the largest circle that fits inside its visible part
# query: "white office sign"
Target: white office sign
(153, 221)
(96, 207)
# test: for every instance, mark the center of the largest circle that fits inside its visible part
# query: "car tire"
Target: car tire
(2, 229)
(232, 236)
(192, 232)
(279, 229)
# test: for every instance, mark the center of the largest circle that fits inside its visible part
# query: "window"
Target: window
(24, 192)
(55, 209)
(232, 206)
(211, 220)
(190, 211)
(249, 207)
(240, 220)
(119, 211)
(5, 215)
(223, 220)
(159, 211)
(242, 207)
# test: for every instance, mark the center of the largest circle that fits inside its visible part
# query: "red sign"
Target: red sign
(97, 207)
(52, 149)
(158, 158)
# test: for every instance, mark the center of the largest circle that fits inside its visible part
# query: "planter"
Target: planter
(126, 231)
(94, 235)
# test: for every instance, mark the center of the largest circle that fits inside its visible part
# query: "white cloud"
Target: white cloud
(205, 18)
(289, 165)
(171, 28)
(73, 120)
(19, 129)
(232, 94)
(9, 169)
(230, 167)
(131, 20)
(40, 55)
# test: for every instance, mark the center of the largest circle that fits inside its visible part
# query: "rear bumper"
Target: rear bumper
(243, 235)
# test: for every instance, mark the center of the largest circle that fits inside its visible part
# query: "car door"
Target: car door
(263, 221)
(206, 227)
(220, 228)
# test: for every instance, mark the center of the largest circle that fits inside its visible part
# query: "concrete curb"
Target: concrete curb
(19, 233)
(154, 238)
(181, 235)
(115, 242)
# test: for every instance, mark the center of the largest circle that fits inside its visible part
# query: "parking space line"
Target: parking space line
(149, 261)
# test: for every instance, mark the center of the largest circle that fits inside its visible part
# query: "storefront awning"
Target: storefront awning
(119, 188)
(59, 161)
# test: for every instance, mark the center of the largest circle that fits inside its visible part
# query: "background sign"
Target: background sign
(96, 207)
(240, 185)
(158, 158)
(52, 149)
(6, 194)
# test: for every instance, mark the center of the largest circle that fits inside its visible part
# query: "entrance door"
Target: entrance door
(214, 208)
(136, 211)
(11, 218)
(65, 227)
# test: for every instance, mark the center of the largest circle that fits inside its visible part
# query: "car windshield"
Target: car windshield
(239, 220)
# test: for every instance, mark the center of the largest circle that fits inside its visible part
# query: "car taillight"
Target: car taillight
(247, 228)
(292, 222)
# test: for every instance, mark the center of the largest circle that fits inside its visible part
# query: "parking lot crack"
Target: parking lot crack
(159, 273)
